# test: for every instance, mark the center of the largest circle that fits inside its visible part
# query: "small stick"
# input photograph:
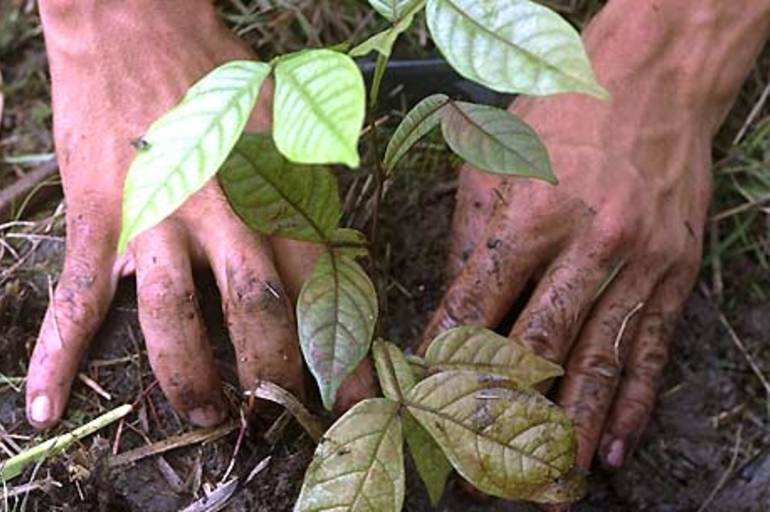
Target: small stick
(21, 187)
(739, 343)
(237, 449)
(91, 383)
(203, 435)
(37, 485)
(728, 472)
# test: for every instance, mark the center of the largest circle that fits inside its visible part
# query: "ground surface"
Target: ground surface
(709, 441)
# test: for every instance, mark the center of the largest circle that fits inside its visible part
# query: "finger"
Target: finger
(295, 261)
(477, 194)
(256, 306)
(77, 309)
(177, 345)
(562, 300)
(635, 398)
(593, 370)
(514, 245)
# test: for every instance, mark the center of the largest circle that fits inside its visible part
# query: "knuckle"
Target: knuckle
(460, 308)
(75, 311)
(540, 334)
(615, 230)
(160, 297)
(600, 368)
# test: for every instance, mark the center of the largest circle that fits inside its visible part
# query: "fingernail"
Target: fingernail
(40, 410)
(207, 416)
(616, 454)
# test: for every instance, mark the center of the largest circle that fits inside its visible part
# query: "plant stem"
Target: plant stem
(14, 466)
(379, 172)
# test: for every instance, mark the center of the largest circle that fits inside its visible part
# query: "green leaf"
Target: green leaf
(512, 46)
(394, 10)
(502, 439)
(318, 108)
(359, 464)
(432, 465)
(415, 125)
(350, 242)
(336, 315)
(276, 197)
(418, 366)
(484, 351)
(384, 41)
(184, 148)
(393, 370)
(494, 140)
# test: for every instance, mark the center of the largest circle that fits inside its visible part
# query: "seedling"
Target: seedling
(478, 414)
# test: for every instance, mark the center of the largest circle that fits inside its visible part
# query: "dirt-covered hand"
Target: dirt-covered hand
(115, 68)
(614, 249)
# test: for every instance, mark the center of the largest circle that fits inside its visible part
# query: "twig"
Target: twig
(91, 383)
(203, 435)
(11, 194)
(756, 109)
(237, 449)
(273, 434)
(728, 472)
(717, 284)
(739, 343)
(37, 485)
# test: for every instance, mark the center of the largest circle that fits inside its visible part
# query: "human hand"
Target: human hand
(614, 249)
(115, 68)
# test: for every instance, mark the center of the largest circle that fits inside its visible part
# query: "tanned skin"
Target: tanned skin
(633, 194)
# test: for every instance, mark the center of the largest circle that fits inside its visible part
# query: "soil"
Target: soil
(708, 441)
(709, 399)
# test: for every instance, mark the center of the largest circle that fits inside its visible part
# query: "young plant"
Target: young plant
(497, 432)
(470, 406)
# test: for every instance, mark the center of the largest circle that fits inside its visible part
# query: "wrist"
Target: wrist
(694, 54)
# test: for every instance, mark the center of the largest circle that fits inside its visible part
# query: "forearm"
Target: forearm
(141, 29)
(698, 52)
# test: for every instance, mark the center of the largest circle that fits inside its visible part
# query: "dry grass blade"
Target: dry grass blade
(260, 467)
(746, 354)
(216, 500)
(1, 98)
(276, 394)
(726, 475)
(45, 485)
(203, 435)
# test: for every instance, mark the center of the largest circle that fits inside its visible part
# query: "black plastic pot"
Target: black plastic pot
(408, 81)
